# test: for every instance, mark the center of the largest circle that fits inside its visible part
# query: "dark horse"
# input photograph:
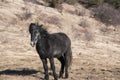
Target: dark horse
(51, 46)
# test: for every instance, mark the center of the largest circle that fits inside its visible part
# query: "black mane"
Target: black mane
(43, 31)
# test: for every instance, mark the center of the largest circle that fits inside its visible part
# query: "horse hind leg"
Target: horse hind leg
(68, 60)
(66, 67)
(62, 60)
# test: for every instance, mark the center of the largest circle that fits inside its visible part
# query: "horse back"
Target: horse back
(59, 43)
(60, 38)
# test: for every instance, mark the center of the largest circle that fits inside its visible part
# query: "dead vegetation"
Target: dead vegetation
(50, 19)
(25, 15)
(107, 14)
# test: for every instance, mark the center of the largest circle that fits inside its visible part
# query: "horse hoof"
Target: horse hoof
(66, 75)
(60, 76)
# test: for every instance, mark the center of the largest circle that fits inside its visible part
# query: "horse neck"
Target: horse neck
(43, 40)
(42, 43)
(44, 34)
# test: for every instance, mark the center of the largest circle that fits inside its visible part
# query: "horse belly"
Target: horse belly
(57, 53)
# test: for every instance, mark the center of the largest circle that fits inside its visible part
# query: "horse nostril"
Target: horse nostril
(32, 44)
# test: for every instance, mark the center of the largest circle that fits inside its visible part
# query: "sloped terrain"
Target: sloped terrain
(95, 46)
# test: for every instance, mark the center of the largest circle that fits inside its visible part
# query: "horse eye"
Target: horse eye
(35, 31)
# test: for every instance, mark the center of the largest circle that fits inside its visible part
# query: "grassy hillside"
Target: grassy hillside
(95, 45)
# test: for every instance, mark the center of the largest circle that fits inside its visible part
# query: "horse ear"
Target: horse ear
(37, 24)
(41, 25)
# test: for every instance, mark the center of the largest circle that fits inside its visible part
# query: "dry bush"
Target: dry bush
(84, 23)
(85, 29)
(33, 1)
(115, 3)
(107, 14)
(25, 15)
(50, 19)
(75, 10)
(80, 33)
(55, 3)
(80, 12)
(71, 11)
(88, 36)
(4, 1)
(71, 1)
(53, 20)
(108, 30)
(76, 33)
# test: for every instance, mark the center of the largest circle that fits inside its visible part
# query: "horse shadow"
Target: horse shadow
(22, 72)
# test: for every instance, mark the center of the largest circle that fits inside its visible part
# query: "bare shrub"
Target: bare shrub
(33, 1)
(76, 33)
(88, 36)
(71, 1)
(77, 9)
(80, 12)
(82, 33)
(107, 14)
(50, 19)
(108, 30)
(77, 12)
(4, 1)
(55, 3)
(53, 20)
(25, 15)
(71, 11)
(84, 24)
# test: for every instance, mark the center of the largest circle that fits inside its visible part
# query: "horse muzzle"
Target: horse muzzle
(32, 44)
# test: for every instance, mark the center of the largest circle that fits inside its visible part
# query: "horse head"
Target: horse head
(34, 30)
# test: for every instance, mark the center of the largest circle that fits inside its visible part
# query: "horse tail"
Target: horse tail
(70, 58)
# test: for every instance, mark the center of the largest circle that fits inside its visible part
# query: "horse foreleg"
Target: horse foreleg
(45, 69)
(53, 68)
